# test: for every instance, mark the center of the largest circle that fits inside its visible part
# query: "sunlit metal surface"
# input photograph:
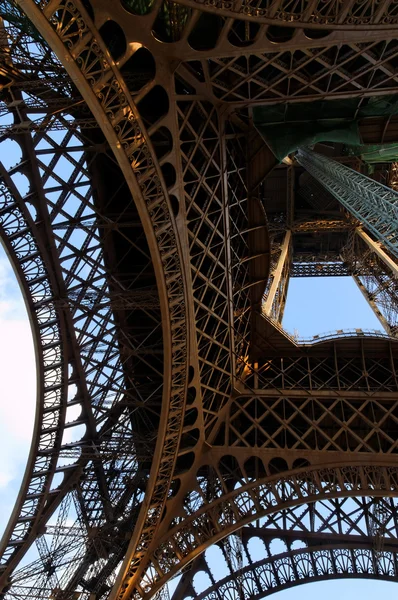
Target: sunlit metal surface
(176, 417)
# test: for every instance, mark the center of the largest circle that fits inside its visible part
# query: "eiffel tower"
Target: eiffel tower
(181, 162)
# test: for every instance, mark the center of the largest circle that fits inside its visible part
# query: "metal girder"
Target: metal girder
(188, 536)
(275, 297)
(318, 15)
(131, 149)
(315, 563)
(373, 204)
(318, 225)
(260, 162)
(328, 264)
(375, 272)
(300, 546)
(325, 72)
(98, 340)
(378, 250)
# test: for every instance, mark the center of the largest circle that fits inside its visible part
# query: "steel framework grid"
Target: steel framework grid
(211, 505)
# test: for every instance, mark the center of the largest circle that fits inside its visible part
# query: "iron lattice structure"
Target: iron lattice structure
(373, 204)
(154, 236)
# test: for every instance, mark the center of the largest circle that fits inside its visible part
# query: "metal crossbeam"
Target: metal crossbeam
(319, 269)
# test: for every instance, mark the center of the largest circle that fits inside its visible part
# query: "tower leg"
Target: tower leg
(274, 300)
(373, 204)
(376, 274)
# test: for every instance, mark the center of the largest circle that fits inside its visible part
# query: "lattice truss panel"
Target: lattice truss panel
(201, 158)
(339, 400)
(333, 399)
(241, 253)
(341, 71)
(125, 285)
(312, 423)
(238, 497)
(328, 263)
(328, 365)
(329, 14)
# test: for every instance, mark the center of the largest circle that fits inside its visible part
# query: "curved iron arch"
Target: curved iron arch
(298, 567)
(98, 445)
(17, 233)
(65, 25)
(261, 569)
(211, 522)
(66, 314)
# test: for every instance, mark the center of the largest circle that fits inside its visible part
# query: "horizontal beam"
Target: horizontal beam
(319, 269)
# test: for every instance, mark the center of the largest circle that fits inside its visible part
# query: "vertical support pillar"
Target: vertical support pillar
(376, 274)
(377, 248)
(373, 204)
(275, 300)
(370, 300)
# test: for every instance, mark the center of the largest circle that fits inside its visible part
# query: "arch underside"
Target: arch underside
(202, 417)
(294, 547)
(296, 568)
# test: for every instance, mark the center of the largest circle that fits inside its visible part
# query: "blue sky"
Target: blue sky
(321, 304)
(313, 306)
(341, 589)
(18, 387)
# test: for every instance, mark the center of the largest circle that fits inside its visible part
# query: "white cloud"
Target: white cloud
(17, 380)
(18, 390)
(5, 478)
(17, 386)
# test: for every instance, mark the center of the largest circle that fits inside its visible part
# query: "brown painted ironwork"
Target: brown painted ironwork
(154, 247)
